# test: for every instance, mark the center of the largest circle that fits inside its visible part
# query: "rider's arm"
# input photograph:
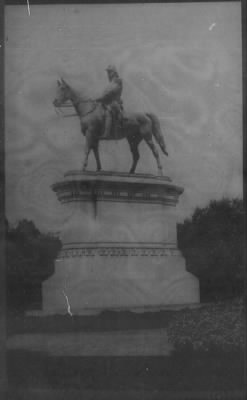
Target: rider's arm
(109, 93)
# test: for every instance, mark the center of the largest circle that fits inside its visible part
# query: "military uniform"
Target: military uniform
(111, 100)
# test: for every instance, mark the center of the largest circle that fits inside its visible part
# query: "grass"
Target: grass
(106, 321)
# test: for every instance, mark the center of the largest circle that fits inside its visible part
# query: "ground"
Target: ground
(194, 351)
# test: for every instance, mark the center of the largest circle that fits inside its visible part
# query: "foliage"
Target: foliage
(30, 257)
(212, 326)
(212, 242)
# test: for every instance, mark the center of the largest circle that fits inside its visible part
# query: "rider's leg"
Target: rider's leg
(108, 125)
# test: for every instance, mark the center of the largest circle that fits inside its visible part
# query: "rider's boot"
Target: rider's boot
(108, 125)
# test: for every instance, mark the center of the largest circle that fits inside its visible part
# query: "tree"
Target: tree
(30, 257)
(212, 242)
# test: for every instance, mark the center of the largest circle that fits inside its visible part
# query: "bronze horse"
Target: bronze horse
(135, 127)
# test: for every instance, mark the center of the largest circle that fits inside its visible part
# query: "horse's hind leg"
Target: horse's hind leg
(85, 161)
(97, 158)
(155, 152)
(86, 154)
(135, 153)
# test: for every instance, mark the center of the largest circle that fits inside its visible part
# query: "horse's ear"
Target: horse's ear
(58, 83)
(63, 81)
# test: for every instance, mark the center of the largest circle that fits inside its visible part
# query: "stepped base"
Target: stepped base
(89, 286)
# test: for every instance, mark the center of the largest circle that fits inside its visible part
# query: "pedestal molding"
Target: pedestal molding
(110, 251)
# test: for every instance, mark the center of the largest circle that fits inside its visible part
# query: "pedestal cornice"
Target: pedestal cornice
(116, 187)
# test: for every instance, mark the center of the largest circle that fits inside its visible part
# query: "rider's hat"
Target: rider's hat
(112, 68)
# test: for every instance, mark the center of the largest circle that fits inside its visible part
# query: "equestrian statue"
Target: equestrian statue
(104, 118)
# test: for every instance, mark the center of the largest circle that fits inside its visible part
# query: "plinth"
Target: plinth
(119, 246)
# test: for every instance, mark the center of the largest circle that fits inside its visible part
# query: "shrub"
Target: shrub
(212, 242)
(30, 257)
(215, 326)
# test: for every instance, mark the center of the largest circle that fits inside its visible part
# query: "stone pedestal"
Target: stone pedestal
(119, 246)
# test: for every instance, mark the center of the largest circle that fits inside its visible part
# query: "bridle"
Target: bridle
(60, 108)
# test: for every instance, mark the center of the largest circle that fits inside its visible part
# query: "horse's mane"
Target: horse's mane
(79, 93)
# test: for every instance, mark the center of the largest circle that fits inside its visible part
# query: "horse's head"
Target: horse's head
(63, 93)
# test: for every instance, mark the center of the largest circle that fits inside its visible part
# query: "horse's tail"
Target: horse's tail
(156, 130)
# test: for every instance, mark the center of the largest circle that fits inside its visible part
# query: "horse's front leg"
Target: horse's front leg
(86, 154)
(135, 153)
(97, 158)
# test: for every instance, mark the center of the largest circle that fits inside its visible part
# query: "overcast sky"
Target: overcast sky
(181, 61)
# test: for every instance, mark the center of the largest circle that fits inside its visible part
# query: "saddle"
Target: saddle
(115, 111)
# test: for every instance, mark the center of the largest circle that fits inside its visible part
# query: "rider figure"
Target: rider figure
(111, 100)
